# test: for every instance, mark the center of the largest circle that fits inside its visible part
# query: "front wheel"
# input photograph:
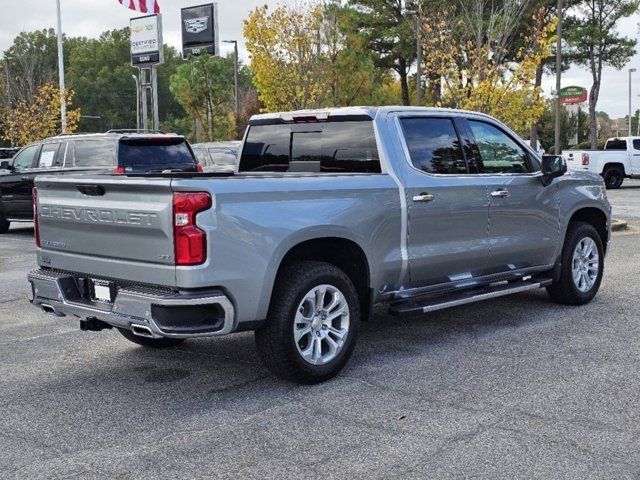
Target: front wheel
(581, 266)
(312, 323)
(4, 224)
(613, 178)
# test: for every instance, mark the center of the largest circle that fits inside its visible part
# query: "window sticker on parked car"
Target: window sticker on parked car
(46, 159)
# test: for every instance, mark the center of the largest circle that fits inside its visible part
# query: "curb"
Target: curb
(618, 225)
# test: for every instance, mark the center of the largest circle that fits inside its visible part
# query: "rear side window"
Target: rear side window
(616, 144)
(94, 153)
(328, 147)
(434, 146)
(162, 153)
(50, 156)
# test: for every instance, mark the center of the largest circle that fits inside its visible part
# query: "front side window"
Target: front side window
(338, 146)
(434, 146)
(636, 144)
(94, 153)
(25, 158)
(499, 153)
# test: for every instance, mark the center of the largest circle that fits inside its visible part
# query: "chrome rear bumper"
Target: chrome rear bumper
(139, 309)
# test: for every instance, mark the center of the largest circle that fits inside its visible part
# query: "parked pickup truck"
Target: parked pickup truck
(329, 213)
(620, 159)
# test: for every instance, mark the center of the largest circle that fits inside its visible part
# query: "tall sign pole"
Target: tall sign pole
(558, 74)
(63, 104)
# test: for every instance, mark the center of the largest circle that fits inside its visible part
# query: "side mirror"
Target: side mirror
(553, 166)
(6, 165)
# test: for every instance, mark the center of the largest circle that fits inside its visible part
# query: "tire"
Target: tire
(613, 177)
(324, 345)
(4, 224)
(150, 342)
(567, 290)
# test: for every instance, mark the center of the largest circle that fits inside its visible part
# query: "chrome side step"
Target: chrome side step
(426, 304)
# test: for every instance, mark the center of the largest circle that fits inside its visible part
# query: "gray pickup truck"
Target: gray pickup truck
(328, 213)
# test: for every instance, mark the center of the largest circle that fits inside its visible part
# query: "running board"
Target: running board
(426, 305)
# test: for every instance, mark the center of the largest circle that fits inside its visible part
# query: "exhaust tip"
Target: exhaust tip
(142, 331)
(47, 308)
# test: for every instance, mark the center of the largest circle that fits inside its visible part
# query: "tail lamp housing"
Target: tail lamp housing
(585, 159)
(36, 228)
(119, 170)
(190, 242)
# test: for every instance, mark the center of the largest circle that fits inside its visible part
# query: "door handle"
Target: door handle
(423, 197)
(500, 193)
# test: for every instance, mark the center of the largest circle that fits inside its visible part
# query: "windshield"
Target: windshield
(153, 153)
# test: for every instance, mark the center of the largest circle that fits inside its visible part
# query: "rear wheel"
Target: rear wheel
(150, 342)
(581, 267)
(613, 177)
(312, 324)
(4, 224)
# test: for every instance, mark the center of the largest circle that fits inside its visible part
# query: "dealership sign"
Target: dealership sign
(199, 30)
(146, 40)
(573, 94)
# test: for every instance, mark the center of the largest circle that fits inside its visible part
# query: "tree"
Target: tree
(470, 56)
(204, 88)
(40, 118)
(388, 29)
(595, 43)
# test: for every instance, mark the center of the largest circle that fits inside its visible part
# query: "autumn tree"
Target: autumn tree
(471, 56)
(33, 120)
(595, 43)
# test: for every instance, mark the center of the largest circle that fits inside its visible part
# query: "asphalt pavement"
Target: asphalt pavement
(517, 387)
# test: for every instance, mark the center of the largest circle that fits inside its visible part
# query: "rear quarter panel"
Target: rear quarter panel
(257, 219)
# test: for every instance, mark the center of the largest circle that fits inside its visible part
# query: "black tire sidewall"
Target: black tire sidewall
(4, 224)
(613, 173)
(575, 235)
(343, 356)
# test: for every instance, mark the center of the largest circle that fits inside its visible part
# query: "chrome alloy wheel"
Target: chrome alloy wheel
(321, 325)
(585, 264)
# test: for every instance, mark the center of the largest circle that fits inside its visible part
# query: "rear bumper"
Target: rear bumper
(145, 311)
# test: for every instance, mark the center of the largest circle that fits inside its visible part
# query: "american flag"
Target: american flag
(144, 6)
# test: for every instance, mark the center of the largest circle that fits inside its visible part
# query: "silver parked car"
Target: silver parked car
(217, 156)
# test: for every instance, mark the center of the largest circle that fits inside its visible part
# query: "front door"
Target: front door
(447, 207)
(634, 156)
(524, 226)
(16, 187)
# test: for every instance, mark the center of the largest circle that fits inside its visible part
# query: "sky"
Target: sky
(89, 18)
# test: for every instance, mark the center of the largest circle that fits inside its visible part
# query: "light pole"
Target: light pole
(558, 73)
(63, 105)
(235, 74)
(135, 79)
(6, 72)
(631, 70)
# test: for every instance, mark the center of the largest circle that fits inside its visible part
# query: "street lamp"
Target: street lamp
(235, 73)
(135, 79)
(631, 70)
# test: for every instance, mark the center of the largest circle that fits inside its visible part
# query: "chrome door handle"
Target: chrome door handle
(500, 193)
(423, 197)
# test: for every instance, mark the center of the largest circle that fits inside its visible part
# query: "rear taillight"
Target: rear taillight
(585, 159)
(199, 167)
(189, 241)
(118, 170)
(36, 228)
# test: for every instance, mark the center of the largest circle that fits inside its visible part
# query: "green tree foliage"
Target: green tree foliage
(387, 27)
(595, 43)
(204, 87)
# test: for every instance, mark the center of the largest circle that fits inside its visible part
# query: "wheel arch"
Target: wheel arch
(608, 165)
(594, 216)
(344, 253)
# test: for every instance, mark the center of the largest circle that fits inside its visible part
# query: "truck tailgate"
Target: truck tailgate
(108, 226)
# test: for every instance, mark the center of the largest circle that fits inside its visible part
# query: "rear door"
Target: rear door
(16, 187)
(109, 226)
(524, 226)
(448, 209)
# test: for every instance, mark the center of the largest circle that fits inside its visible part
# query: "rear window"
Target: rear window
(616, 144)
(94, 153)
(328, 147)
(161, 153)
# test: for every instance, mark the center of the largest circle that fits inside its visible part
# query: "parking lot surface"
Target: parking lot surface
(517, 387)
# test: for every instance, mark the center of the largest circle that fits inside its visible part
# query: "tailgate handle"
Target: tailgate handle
(91, 190)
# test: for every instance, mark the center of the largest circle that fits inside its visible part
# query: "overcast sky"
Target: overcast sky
(91, 17)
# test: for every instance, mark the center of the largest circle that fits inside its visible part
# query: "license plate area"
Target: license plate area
(101, 290)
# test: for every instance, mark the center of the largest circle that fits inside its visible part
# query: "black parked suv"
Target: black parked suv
(114, 152)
